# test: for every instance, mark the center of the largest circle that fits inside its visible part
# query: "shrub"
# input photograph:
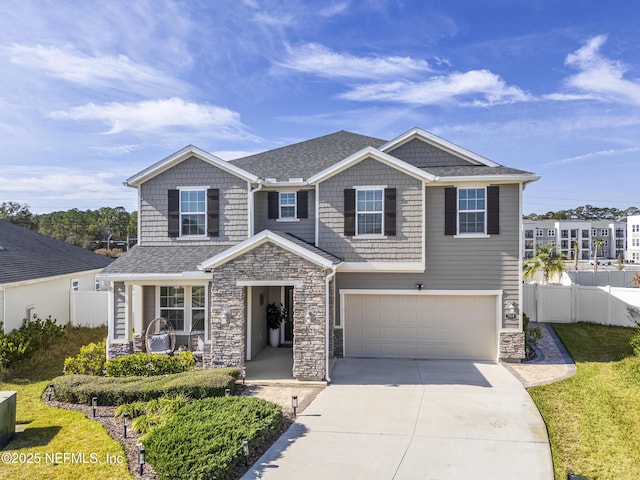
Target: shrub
(148, 415)
(531, 334)
(204, 439)
(634, 315)
(149, 364)
(90, 360)
(23, 342)
(117, 390)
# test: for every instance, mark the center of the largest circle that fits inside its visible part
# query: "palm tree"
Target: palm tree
(576, 251)
(597, 244)
(547, 260)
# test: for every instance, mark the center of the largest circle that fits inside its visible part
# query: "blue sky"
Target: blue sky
(93, 92)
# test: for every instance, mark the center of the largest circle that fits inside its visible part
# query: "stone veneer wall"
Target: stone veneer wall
(512, 346)
(338, 343)
(119, 349)
(271, 263)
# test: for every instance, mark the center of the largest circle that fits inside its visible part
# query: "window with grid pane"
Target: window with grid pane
(471, 210)
(193, 212)
(172, 306)
(369, 212)
(287, 204)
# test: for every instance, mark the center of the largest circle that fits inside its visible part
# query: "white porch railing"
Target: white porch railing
(88, 308)
(578, 303)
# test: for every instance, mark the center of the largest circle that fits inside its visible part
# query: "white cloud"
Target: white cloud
(92, 71)
(333, 9)
(158, 115)
(475, 88)
(600, 77)
(593, 155)
(319, 60)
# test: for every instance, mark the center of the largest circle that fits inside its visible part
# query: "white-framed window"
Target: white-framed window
(551, 232)
(528, 234)
(635, 242)
(287, 205)
(574, 233)
(604, 232)
(193, 212)
(564, 233)
(183, 306)
(635, 256)
(472, 206)
(539, 232)
(369, 211)
(75, 284)
(585, 233)
(635, 228)
(594, 232)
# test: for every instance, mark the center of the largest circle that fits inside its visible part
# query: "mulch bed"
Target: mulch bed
(114, 427)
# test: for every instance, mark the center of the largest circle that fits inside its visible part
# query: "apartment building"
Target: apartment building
(565, 233)
(633, 236)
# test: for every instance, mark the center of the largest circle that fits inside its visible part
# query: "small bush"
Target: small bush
(148, 415)
(22, 343)
(634, 315)
(117, 390)
(90, 360)
(149, 364)
(531, 334)
(204, 439)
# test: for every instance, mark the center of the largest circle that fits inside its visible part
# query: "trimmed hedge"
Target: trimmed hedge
(117, 390)
(149, 364)
(204, 439)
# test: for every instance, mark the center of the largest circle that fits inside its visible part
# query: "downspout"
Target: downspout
(252, 206)
(327, 280)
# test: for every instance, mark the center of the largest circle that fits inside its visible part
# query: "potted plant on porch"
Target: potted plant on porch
(275, 316)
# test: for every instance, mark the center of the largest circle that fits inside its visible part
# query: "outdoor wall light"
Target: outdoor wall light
(245, 452)
(226, 315)
(94, 405)
(294, 404)
(141, 460)
(510, 310)
(419, 286)
(310, 314)
(50, 391)
(124, 423)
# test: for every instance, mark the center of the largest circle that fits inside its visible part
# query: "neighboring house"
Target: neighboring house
(38, 274)
(565, 232)
(633, 236)
(402, 248)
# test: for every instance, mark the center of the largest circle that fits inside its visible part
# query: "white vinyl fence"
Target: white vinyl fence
(88, 308)
(578, 303)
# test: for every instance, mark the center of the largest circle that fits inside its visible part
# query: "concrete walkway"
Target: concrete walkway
(552, 364)
(413, 419)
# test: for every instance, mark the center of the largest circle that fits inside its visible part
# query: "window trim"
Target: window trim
(367, 188)
(294, 218)
(459, 211)
(204, 190)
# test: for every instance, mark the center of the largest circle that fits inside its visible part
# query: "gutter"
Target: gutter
(252, 206)
(327, 279)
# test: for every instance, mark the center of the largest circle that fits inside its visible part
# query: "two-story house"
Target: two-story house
(403, 248)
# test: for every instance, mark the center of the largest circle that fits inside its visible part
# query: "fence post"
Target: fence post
(609, 304)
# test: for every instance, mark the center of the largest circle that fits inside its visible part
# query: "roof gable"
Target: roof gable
(182, 155)
(29, 255)
(440, 143)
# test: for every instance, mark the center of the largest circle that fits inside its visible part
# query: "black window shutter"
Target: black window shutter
(390, 211)
(349, 212)
(493, 210)
(213, 212)
(450, 211)
(173, 217)
(274, 204)
(302, 198)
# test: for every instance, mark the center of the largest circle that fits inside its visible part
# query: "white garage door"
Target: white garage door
(420, 326)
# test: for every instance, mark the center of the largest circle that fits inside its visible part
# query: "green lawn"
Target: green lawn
(593, 418)
(60, 444)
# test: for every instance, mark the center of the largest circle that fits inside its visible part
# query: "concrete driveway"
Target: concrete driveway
(414, 419)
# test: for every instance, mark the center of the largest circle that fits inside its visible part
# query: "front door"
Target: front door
(288, 322)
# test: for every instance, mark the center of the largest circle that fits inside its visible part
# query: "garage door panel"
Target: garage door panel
(421, 326)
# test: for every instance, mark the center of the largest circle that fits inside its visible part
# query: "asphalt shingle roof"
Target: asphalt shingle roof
(302, 160)
(169, 259)
(28, 255)
(312, 248)
(474, 170)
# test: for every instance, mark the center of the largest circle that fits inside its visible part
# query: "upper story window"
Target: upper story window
(585, 233)
(287, 205)
(635, 228)
(369, 212)
(604, 232)
(471, 210)
(564, 233)
(528, 234)
(193, 212)
(594, 232)
(574, 233)
(551, 232)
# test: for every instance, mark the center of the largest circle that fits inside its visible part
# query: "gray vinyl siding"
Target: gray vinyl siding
(303, 228)
(195, 173)
(1, 307)
(421, 154)
(458, 263)
(405, 246)
(119, 311)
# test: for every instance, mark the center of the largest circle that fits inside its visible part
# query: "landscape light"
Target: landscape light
(294, 404)
(124, 423)
(244, 374)
(50, 391)
(94, 404)
(227, 392)
(141, 462)
(245, 451)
